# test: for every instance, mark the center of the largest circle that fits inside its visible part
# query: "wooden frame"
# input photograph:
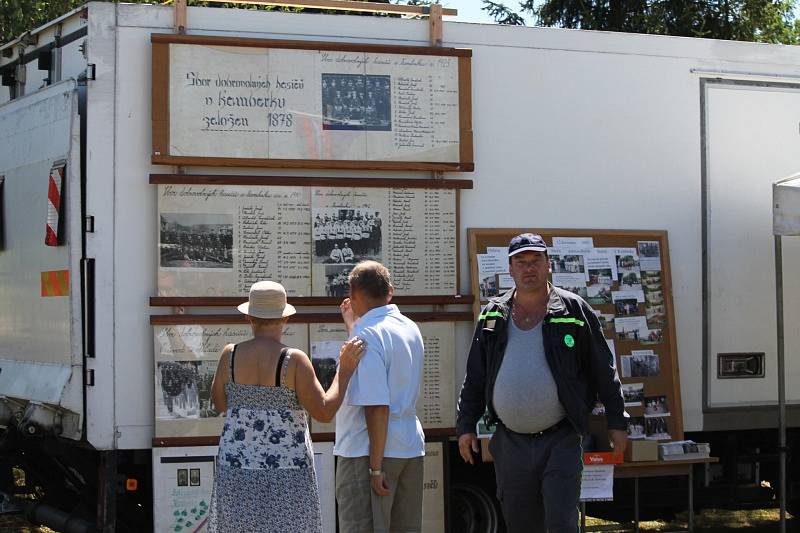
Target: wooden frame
(277, 181)
(309, 318)
(299, 318)
(161, 153)
(667, 383)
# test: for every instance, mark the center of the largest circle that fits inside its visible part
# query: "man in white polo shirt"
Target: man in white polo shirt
(379, 440)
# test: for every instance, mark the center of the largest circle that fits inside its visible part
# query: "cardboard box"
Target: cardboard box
(641, 450)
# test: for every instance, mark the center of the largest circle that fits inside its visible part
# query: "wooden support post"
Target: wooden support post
(180, 16)
(435, 24)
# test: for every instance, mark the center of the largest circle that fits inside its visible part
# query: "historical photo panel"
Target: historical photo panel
(411, 231)
(186, 358)
(436, 402)
(217, 240)
(195, 240)
(252, 102)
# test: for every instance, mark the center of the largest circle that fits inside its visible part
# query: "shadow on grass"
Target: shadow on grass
(718, 521)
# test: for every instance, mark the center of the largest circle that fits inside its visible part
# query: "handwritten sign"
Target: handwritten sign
(263, 103)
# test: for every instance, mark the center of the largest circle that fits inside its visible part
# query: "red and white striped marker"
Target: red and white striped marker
(54, 189)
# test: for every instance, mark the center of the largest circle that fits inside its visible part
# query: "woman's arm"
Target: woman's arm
(220, 379)
(320, 404)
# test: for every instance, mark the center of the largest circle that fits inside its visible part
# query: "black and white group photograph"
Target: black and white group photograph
(636, 427)
(178, 382)
(206, 371)
(649, 249)
(656, 428)
(640, 365)
(655, 406)
(633, 394)
(347, 235)
(356, 102)
(196, 240)
(336, 280)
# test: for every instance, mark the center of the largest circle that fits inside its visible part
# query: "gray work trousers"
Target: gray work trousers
(363, 511)
(538, 479)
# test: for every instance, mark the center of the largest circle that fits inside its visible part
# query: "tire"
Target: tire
(473, 510)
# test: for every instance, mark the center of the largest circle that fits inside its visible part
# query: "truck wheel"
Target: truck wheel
(472, 510)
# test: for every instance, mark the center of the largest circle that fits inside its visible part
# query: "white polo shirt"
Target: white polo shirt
(390, 373)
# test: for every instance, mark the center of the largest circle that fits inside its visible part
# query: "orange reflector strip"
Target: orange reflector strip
(131, 484)
(55, 283)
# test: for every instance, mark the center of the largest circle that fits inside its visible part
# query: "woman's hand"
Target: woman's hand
(350, 354)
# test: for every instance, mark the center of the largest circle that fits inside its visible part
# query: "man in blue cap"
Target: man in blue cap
(537, 364)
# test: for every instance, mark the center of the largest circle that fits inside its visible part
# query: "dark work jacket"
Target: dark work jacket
(579, 358)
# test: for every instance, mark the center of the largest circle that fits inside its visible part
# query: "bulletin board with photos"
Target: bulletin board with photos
(187, 349)
(220, 234)
(231, 101)
(625, 276)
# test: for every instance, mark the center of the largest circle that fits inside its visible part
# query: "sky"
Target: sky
(470, 11)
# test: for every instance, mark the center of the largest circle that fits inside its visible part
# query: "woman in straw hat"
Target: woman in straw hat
(265, 467)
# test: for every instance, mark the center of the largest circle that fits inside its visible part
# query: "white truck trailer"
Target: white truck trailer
(572, 129)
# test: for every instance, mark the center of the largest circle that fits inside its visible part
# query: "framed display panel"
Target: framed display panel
(183, 478)
(217, 237)
(222, 101)
(625, 276)
(187, 348)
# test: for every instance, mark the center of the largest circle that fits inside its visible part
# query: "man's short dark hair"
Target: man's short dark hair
(372, 279)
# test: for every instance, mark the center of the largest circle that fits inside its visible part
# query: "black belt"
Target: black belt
(561, 424)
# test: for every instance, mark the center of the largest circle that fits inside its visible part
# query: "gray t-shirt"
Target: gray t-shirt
(525, 394)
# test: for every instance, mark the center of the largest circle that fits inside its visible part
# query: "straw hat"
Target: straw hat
(267, 300)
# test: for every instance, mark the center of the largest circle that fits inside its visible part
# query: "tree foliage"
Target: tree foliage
(19, 16)
(770, 21)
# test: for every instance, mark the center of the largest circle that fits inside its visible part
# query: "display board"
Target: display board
(255, 102)
(624, 275)
(436, 403)
(217, 239)
(187, 352)
(184, 476)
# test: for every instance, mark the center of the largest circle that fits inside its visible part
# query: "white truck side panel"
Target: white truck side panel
(135, 235)
(752, 139)
(41, 350)
(100, 118)
(603, 132)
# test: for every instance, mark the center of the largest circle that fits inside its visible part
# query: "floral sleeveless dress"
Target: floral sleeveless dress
(265, 467)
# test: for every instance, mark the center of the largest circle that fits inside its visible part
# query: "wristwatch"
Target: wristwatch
(375, 472)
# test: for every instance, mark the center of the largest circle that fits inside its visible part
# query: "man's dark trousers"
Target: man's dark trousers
(538, 479)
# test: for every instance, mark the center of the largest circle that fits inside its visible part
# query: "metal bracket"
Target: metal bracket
(90, 377)
(91, 71)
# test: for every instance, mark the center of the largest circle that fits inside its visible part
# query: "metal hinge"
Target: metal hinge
(91, 71)
(88, 224)
(90, 377)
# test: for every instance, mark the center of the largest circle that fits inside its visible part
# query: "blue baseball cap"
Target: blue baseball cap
(526, 242)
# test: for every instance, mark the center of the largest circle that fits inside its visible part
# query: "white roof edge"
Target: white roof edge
(783, 181)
